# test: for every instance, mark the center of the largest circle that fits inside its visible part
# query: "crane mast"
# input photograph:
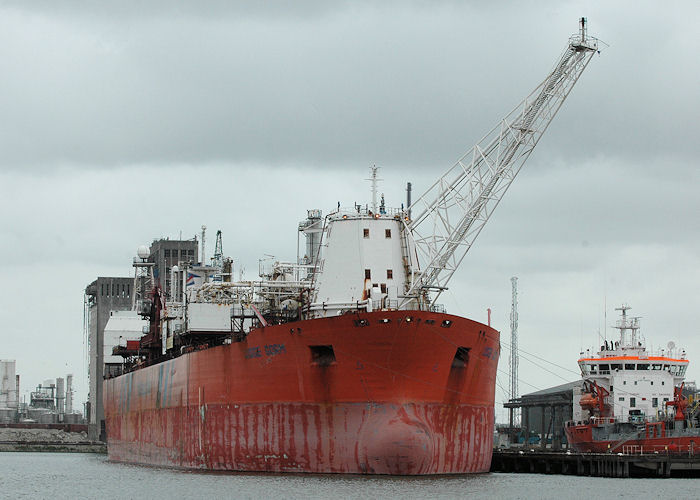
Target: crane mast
(452, 212)
(218, 259)
(513, 372)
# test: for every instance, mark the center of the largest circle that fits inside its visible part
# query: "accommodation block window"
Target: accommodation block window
(365, 232)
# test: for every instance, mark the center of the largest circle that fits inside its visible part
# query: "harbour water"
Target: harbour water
(67, 475)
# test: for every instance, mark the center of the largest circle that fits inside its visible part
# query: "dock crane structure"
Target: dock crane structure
(451, 213)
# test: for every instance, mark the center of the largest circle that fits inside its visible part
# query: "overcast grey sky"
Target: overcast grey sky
(130, 122)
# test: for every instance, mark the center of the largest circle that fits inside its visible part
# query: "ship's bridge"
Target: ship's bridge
(629, 353)
(364, 261)
(635, 379)
(606, 366)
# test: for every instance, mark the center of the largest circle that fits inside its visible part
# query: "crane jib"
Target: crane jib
(453, 211)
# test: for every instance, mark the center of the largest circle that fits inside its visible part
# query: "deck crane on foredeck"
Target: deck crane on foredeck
(218, 259)
(452, 212)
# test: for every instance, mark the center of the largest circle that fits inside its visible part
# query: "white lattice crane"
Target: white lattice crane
(218, 259)
(452, 212)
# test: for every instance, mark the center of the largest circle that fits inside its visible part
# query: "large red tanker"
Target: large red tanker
(341, 361)
(401, 392)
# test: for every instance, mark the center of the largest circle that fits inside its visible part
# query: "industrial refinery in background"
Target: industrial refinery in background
(51, 402)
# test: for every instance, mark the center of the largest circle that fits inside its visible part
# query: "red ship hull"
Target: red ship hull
(398, 398)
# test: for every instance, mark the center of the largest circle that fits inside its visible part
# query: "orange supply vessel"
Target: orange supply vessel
(633, 401)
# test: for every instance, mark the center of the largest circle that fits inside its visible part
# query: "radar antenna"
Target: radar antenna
(453, 211)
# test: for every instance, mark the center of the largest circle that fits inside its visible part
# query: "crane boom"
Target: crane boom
(452, 212)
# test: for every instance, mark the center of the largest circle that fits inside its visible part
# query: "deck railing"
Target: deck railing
(635, 449)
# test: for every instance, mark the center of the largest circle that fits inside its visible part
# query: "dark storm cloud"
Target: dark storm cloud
(320, 83)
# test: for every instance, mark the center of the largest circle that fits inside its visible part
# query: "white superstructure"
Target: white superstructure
(364, 261)
(639, 383)
(121, 327)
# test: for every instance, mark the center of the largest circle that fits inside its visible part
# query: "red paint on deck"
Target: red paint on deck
(391, 403)
(581, 439)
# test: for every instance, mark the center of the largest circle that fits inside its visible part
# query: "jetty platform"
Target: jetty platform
(596, 464)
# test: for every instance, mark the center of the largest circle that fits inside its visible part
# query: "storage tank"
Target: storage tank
(48, 418)
(8, 415)
(36, 414)
(73, 418)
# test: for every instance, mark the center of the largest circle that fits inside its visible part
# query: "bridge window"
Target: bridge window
(616, 367)
(656, 367)
(641, 366)
(604, 367)
(629, 366)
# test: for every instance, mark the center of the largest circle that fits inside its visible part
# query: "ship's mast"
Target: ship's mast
(373, 187)
(629, 328)
(143, 281)
(453, 211)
